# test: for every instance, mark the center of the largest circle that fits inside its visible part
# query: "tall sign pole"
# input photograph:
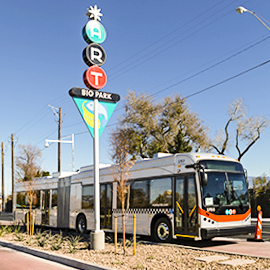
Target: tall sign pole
(3, 185)
(95, 107)
(12, 168)
(96, 168)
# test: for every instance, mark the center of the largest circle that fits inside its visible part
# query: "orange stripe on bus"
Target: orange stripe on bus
(224, 218)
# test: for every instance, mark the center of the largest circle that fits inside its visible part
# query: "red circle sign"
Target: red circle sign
(95, 77)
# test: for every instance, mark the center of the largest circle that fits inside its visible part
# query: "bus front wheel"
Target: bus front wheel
(163, 230)
(81, 224)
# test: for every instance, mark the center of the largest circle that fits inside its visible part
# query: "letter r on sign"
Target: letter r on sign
(96, 54)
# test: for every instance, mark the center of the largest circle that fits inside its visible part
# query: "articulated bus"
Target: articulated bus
(191, 195)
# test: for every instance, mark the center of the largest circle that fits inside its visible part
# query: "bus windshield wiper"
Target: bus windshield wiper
(238, 198)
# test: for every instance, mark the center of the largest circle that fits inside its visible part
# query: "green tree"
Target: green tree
(163, 126)
(260, 184)
(179, 145)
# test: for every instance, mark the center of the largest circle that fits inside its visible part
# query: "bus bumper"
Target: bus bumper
(211, 233)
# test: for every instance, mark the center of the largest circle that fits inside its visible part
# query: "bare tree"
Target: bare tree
(27, 171)
(236, 111)
(248, 129)
(120, 155)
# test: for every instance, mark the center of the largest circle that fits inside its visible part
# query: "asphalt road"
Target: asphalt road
(265, 231)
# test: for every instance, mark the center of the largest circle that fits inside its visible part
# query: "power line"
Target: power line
(164, 37)
(214, 65)
(145, 59)
(215, 85)
(226, 80)
(207, 68)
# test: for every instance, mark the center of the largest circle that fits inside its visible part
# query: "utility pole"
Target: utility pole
(58, 114)
(59, 139)
(12, 167)
(3, 186)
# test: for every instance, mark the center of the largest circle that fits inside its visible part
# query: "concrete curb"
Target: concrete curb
(53, 257)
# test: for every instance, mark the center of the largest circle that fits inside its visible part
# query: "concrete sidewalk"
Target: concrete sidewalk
(241, 247)
(54, 258)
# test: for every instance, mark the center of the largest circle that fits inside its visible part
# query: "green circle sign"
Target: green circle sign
(94, 32)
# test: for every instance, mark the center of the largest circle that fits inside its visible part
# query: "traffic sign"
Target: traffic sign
(95, 77)
(93, 94)
(94, 54)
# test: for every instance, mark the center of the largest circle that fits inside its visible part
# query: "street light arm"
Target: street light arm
(58, 141)
(254, 14)
(64, 141)
(241, 10)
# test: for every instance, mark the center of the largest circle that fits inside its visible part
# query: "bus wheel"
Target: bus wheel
(163, 230)
(81, 224)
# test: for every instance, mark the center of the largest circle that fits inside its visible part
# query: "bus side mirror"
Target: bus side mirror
(203, 176)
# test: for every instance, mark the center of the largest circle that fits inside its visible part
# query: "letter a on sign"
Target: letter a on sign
(86, 109)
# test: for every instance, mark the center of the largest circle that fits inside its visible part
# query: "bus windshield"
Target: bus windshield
(225, 189)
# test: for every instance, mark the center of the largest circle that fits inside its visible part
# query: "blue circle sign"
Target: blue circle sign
(94, 32)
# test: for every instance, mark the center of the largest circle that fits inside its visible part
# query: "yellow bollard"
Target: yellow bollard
(115, 234)
(134, 234)
(33, 222)
(27, 222)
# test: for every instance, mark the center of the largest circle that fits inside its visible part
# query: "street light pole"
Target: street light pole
(64, 141)
(241, 10)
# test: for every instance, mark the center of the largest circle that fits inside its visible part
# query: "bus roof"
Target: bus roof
(160, 164)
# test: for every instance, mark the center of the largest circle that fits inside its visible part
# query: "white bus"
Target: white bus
(192, 195)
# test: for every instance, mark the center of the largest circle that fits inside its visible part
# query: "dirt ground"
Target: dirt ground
(147, 256)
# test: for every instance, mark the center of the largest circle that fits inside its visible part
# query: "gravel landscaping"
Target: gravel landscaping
(148, 256)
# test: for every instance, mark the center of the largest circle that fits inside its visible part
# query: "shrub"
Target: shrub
(73, 242)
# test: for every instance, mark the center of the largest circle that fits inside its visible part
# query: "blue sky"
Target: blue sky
(152, 46)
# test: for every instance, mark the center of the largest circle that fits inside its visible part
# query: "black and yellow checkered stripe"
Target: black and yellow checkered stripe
(144, 211)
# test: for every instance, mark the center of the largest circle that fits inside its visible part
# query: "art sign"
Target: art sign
(94, 77)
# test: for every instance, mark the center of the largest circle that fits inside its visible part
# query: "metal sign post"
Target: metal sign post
(96, 168)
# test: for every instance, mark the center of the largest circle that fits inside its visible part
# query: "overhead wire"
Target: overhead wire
(163, 38)
(215, 85)
(156, 52)
(213, 66)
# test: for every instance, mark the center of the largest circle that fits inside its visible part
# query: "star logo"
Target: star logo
(94, 12)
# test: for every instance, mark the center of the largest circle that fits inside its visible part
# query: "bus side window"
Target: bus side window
(139, 194)
(161, 192)
(88, 197)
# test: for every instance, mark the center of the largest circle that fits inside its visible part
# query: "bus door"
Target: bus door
(45, 207)
(106, 206)
(186, 207)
